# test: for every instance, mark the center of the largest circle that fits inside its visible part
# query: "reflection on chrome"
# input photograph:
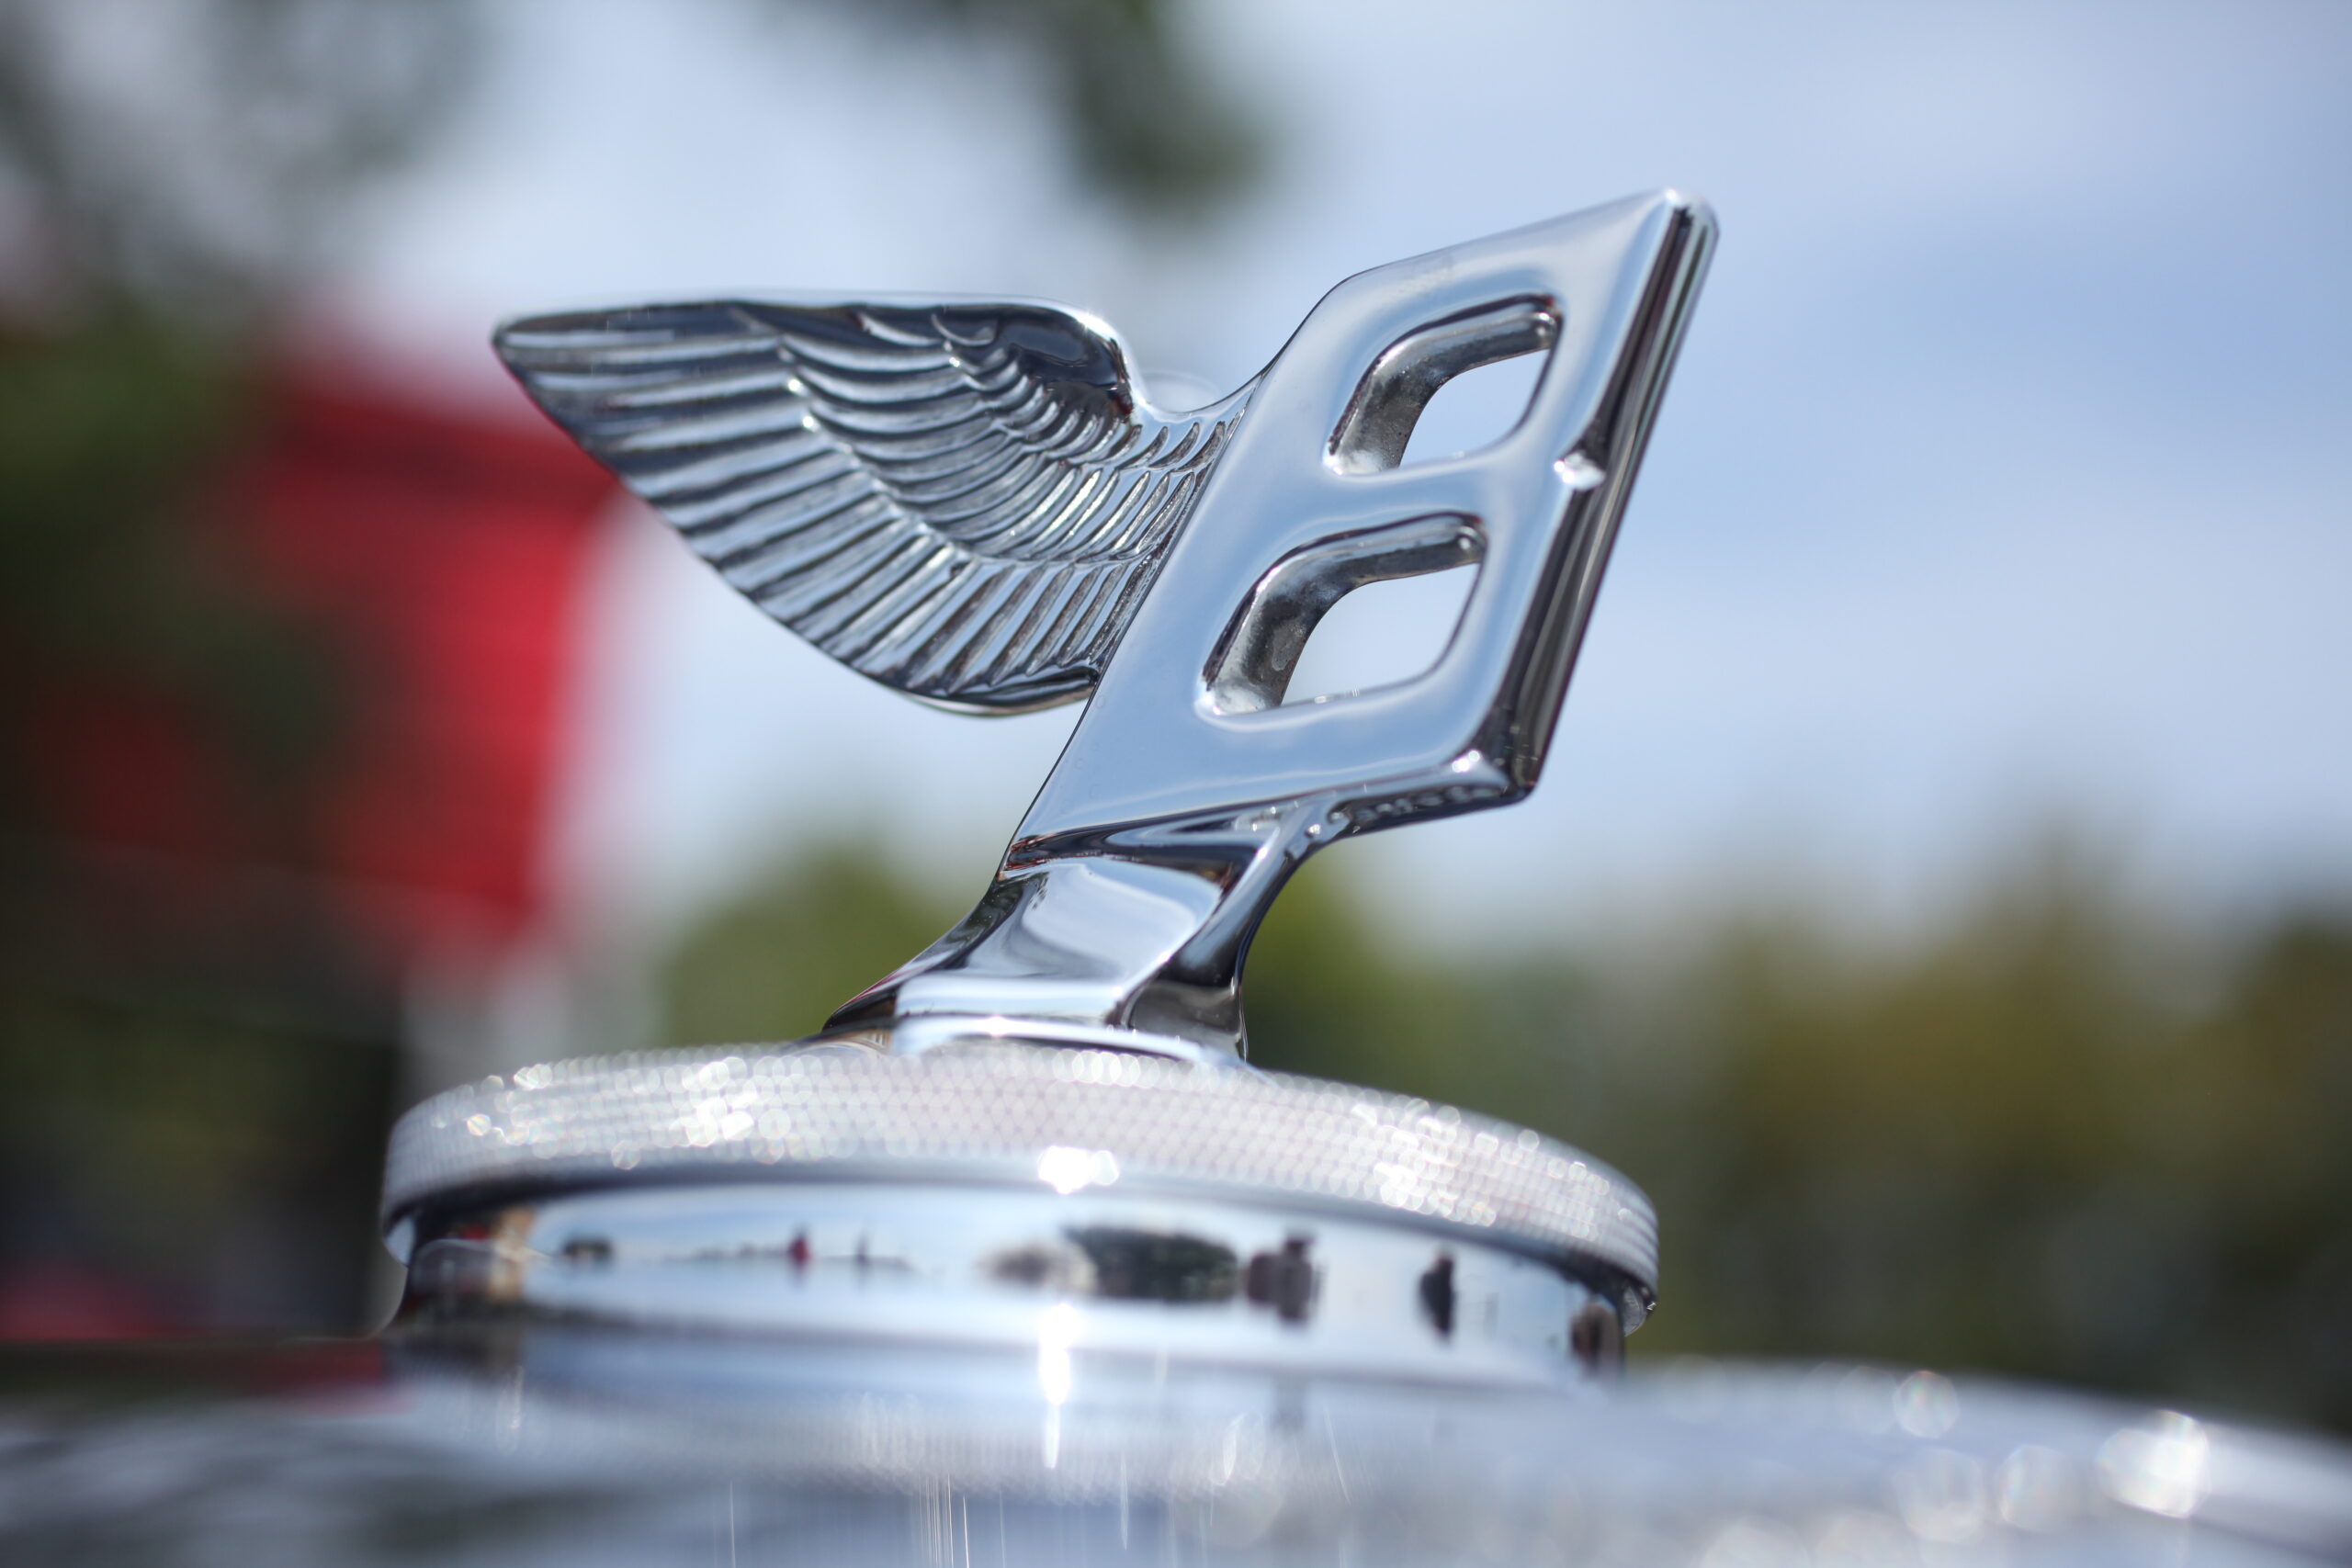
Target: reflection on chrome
(2039, 1488)
(1942, 1496)
(1925, 1404)
(2159, 1466)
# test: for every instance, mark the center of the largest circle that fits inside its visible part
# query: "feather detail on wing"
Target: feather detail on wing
(966, 502)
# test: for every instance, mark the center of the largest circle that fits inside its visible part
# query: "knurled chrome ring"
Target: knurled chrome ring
(998, 1110)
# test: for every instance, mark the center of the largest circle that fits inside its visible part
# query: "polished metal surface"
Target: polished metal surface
(969, 502)
(538, 1442)
(1020, 1120)
(1098, 1269)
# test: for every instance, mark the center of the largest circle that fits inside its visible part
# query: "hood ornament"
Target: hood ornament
(1038, 1134)
(972, 503)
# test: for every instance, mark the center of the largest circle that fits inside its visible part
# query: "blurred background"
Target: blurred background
(1941, 901)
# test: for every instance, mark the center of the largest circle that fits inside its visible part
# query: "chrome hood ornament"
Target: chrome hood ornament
(972, 503)
(1047, 1111)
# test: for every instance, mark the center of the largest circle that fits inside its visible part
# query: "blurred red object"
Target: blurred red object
(59, 1300)
(445, 552)
(433, 554)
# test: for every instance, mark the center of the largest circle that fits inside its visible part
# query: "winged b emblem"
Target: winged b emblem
(972, 503)
(964, 501)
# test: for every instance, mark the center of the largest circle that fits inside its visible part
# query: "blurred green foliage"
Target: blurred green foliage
(111, 433)
(184, 1080)
(2040, 1136)
(1147, 123)
(773, 964)
(216, 1164)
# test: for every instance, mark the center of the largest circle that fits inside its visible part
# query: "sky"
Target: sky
(2005, 479)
